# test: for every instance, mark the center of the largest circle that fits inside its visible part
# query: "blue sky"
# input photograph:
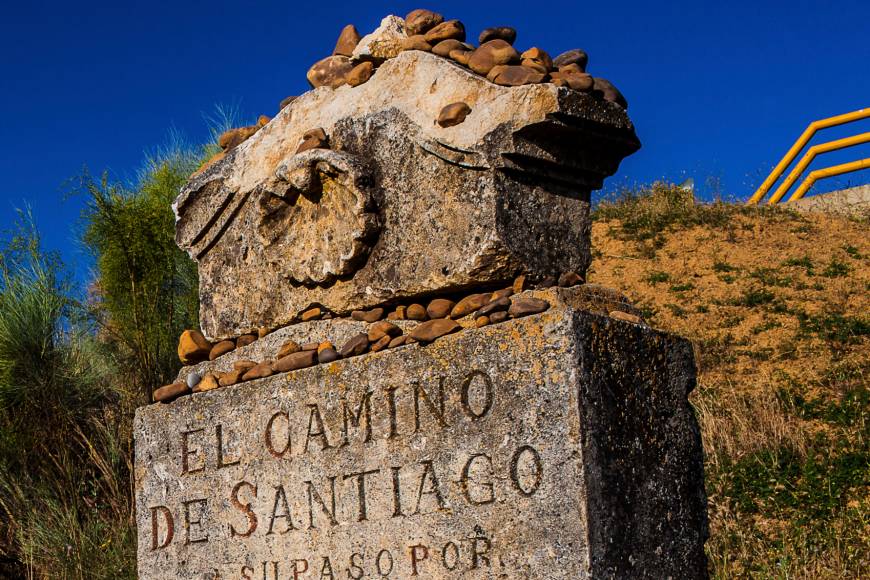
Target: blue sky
(717, 90)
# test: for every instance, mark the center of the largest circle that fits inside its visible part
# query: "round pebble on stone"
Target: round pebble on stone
(497, 317)
(232, 377)
(298, 360)
(378, 330)
(469, 304)
(356, 346)
(193, 347)
(325, 345)
(397, 314)
(372, 315)
(221, 348)
(481, 321)
(432, 329)
(170, 392)
(193, 379)
(610, 92)
(416, 312)
(505, 33)
(421, 21)
(461, 56)
(416, 42)
(491, 54)
(208, 383)
(440, 308)
(245, 340)
(539, 57)
(361, 73)
(347, 41)
(574, 56)
(625, 316)
(450, 29)
(526, 306)
(453, 114)
(504, 292)
(311, 314)
(444, 47)
(286, 101)
(398, 341)
(330, 72)
(547, 282)
(327, 355)
(381, 344)
(310, 345)
(515, 76)
(289, 347)
(261, 371)
(520, 284)
(501, 304)
(243, 365)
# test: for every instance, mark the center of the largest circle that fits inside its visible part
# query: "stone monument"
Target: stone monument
(401, 372)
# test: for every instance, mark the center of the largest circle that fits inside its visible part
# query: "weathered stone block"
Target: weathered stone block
(561, 445)
(398, 206)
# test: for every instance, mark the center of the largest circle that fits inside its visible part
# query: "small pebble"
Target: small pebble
(289, 347)
(429, 331)
(416, 312)
(453, 114)
(327, 355)
(232, 377)
(245, 340)
(440, 308)
(356, 346)
(379, 330)
(497, 317)
(568, 279)
(310, 346)
(381, 344)
(398, 341)
(469, 304)
(193, 379)
(445, 30)
(520, 284)
(505, 292)
(170, 392)
(311, 314)
(501, 304)
(481, 321)
(221, 348)
(325, 345)
(421, 21)
(397, 314)
(505, 33)
(372, 315)
(525, 306)
(243, 365)
(297, 360)
(625, 316)
(209, 382)
(260, 371)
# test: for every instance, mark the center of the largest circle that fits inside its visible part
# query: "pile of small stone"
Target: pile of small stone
(436, 319)
(355, 59)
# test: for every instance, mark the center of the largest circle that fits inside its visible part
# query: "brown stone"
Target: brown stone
(421, 21)
(235, 137)
(311, 346)
(208, 383)
(325, 345)
(445, 47)
(330, 72)
(360, 74)
(416, 42)
(243, 365)
(261, 371)
(286, 101)
(505, 33)
(311, 314)
(536, 66)
(378, 330)
(372, 315)
(262, 121)
(327, 355)
(289, 347)
(469, 304)
(432, 329)
(170, 392)
(539, 57)
(568, 279)
(450, 29)
(547, 282)
(515, 76)
(398, 314)
(313, 139)
(416, 312)
(347, 41)
(223, 347)
(461, 56)
(496, 70)
(497, 317)
(193, 347)
(579, 81)
(245, 340)
(398, 341)
(521, 284)
(481, 321)
(609, 91)
(453, 114)
(440, 308)
(381, 343)
(491, 54)
(297, 360)
(575, 56)
(357, 345)
(625, 316)
(502, 304)
(526, 305)
(505, 292)
(232, 377)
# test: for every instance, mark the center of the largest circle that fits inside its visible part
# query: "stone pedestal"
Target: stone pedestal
(560, 445)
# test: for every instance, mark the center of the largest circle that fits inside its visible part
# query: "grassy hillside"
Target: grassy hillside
(778, 307)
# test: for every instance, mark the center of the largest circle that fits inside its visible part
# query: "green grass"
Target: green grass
(657, 277)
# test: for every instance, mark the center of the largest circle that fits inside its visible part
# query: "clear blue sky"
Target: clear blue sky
(716, 89)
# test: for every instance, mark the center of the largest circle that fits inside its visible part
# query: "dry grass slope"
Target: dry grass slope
(778, 306)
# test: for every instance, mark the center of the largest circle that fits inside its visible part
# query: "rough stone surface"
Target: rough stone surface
(504, 192)
(385, 42)
(566, 449)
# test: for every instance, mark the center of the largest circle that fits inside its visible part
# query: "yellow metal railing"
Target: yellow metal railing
(811, 154)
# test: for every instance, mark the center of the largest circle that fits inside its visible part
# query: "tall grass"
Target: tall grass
(65, 452)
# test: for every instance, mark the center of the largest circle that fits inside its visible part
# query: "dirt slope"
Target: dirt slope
(778, 307)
